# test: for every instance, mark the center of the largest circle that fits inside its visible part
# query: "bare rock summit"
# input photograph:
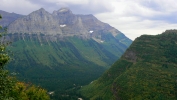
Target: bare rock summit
(61, 23)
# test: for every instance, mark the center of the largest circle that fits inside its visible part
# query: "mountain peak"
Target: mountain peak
(42, 11)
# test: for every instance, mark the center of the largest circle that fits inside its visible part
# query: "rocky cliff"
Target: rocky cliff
(62, 23)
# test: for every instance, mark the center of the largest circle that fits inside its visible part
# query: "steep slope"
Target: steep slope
(147, 70)
(8, 18)
(61, 51)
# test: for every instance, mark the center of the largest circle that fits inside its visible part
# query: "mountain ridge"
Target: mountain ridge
(62, 22)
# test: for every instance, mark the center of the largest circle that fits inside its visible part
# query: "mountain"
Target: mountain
(8, 18)
(147, 70)
(62, 51)
(63, 23)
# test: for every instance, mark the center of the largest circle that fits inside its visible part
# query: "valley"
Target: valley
(75, 56)
(62, 52)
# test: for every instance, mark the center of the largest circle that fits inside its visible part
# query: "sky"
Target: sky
(132, 17)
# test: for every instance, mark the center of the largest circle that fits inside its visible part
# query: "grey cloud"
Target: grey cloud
(90, 8)
(160, 6)
(169, 18)
(151, 5)
(95, 7)
(158, 12)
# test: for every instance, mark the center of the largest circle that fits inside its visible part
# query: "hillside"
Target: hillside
(70, 59)
(147, 70)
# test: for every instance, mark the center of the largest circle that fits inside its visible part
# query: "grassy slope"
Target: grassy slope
(148, 74)
(60, 64)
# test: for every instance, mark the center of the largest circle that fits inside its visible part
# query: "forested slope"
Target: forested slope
(147, 70)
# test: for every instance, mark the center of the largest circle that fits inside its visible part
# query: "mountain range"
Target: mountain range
(146, 71)
(62, 23)
(62, 50)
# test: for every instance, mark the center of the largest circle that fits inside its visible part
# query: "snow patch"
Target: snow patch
(62, 25)
(91, 31)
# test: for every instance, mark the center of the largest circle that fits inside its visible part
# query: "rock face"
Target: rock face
(39, 21)
(62, 22)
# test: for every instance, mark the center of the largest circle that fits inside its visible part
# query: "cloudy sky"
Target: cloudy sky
(132, 17)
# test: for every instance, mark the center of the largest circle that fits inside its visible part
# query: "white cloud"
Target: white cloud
(20, 6)
(69, 1)
(77, 6)
(141, 16)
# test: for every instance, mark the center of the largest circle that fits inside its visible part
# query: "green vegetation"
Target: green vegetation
(22, 91)
(6, 82)
(64, 65)
(146, 71)
(10, 89)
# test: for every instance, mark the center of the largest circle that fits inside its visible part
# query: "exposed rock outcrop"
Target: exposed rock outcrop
(62, 22)
(39, 21)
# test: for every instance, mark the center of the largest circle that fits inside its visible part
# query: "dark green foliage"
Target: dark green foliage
(6, 83)
(22, 91)
(147, 70)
